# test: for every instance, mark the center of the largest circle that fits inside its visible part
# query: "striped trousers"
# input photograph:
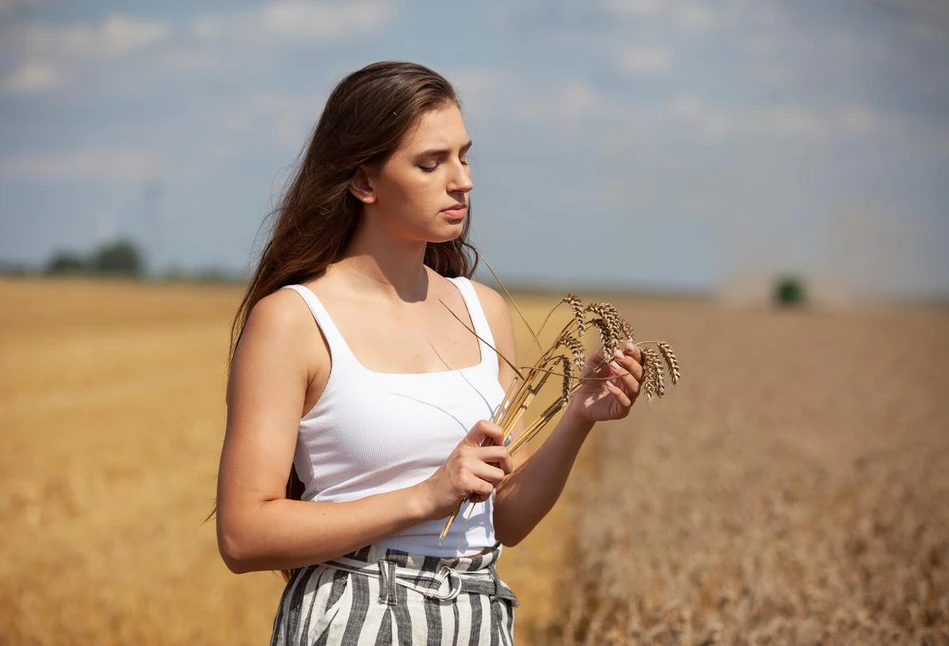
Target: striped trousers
(376, 596)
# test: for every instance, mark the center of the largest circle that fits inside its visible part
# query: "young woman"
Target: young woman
(357, 402)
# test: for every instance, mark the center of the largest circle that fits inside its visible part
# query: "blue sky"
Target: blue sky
(665, 144)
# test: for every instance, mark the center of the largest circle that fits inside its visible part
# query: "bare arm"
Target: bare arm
(528, 494)
(278, 356)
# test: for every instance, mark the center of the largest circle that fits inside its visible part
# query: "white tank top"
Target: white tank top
(373, 432)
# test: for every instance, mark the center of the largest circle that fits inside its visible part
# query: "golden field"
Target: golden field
(792, 489)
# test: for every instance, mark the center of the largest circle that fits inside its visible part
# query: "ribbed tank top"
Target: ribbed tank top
(373, 432)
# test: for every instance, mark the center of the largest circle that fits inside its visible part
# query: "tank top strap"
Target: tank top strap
(337, 344)
(478, 319)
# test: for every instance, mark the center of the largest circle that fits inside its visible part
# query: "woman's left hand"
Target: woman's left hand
(614, 393)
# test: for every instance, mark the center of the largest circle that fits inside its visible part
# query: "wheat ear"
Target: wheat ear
(567, 353)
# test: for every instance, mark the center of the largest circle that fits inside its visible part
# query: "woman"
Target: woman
(349, 441)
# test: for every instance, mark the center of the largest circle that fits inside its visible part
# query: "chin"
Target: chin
(447, 234)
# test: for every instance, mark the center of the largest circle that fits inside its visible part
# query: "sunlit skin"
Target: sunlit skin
(282, 364)
(404, 198)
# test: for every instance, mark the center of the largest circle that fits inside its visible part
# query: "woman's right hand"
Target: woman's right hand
(471, 471)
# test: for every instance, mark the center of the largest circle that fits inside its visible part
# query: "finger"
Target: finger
(487, 472)
(496, 455)
(626, 379)
(630, 385)
(634, 351)
(491, 430)
(628, 365)
(483, 429)
(592, 363)
(478, 497)
(479, 489)
(620, 396)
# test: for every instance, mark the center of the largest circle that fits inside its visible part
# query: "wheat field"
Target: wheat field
(792, 489)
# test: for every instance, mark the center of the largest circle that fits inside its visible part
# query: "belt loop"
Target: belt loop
(383, 582)
(497, 582)
(391, 596)
(387, 583)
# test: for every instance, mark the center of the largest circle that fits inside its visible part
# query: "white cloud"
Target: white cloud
(715, 123)
(280, 118)
(690, 15)
(297, 21)
(321, 21)
(755, 14)
(49, 53)
(572, 101)
(190, 58)
(114, 37)
(783, 121)
(207, 27)
(694, 16)
(687, 106)
(32, 77)
(83, 164)
(483, 90)
(121, 35)
(632, 8)
(577, 98)
(645, 60)
(243, 40)
(786, 121)
(45, 54)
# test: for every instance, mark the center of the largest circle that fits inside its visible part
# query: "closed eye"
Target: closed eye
(431, 169)
(435, 156)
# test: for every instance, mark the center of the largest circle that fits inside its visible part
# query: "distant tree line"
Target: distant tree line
(119, 258)
(122, 257)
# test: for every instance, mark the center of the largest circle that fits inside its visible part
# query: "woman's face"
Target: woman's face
(421, 192)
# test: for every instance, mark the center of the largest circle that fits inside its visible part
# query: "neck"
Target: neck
(386, 265)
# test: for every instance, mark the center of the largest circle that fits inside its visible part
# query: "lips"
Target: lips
(456, 211)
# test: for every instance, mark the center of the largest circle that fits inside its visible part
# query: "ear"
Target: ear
(361, 186)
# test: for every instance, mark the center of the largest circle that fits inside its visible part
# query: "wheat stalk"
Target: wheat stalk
(567, 354)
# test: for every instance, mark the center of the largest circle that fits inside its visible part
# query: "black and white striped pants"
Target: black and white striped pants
(379, 597)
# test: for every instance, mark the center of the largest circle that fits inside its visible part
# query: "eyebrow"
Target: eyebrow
(438, 152)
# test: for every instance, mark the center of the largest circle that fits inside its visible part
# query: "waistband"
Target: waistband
(441, 579)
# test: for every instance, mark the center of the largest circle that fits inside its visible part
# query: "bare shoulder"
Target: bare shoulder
(280, 328)
(495, 307)
(280, 315)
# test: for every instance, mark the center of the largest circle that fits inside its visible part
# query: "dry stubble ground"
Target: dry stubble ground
(790, 490)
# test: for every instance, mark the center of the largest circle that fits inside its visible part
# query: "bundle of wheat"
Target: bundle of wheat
(565, 359)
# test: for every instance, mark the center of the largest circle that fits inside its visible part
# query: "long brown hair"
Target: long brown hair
(365, 119)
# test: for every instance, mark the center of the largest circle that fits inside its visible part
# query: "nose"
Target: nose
(460, 180)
